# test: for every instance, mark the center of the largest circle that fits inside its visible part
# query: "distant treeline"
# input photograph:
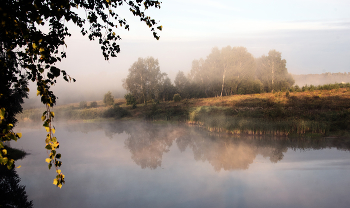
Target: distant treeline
(229, 71)
(321, 79)
(304, 88)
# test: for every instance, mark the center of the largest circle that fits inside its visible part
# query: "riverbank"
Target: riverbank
(314, 113)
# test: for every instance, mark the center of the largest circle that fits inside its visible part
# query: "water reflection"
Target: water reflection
(130, 164)
(12, 194)
(147, 143)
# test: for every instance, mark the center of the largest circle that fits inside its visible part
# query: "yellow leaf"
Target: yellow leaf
(4, 152)
(34, 46)
(55, 181)
(37, 92)
(52, 114)
(18, 166)
(48, 160)
(60, 185)
(58, 171)
(43, 118)
(19, 135)
(53, 130)
(113, 33)
(47, 129)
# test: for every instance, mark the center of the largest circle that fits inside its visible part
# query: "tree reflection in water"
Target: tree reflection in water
(147, 142)
(11, 193)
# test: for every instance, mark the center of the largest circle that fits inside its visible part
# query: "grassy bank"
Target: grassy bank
(316, 112)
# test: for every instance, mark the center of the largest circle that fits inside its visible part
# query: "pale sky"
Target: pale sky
(312, 35)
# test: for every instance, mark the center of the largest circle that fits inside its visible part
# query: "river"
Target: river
(137, 164)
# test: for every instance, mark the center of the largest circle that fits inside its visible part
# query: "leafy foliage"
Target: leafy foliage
(177, 98)
(83, 104)
(272, 72)
(93, 104)
(108, 99)
(32, 41)
(144, 80)
(130, 99)
(116, 112)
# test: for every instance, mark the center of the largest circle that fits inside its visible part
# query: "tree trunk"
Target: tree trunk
(223, 82)
(272, 70)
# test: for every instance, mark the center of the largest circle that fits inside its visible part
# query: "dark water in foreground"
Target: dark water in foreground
(152, 165)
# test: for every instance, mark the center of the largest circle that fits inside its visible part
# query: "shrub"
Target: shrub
(116, 112)
(108, 99)
(177, 98)
(83, 104)
(287, 94)
(130, 99)
(93, 104)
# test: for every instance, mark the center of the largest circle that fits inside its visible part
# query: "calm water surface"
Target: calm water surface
(128, 164)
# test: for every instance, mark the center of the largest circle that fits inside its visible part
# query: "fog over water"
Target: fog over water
(132, 164)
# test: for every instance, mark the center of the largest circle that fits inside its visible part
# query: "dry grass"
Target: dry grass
(318, 111)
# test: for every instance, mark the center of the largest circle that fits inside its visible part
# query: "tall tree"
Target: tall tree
(167, 89)
(272, 72)
(224, 71)
(241, 72)
(181, 84)
(29, 52)
(144, 79)
(200, 76)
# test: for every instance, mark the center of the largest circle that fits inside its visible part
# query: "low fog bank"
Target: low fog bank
(84, 90)
(73, 93)
(321, 79)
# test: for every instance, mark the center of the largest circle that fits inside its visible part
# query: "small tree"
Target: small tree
(177, 98)
(130, 99)
(83, 104)
(108, 99)
(93, 104)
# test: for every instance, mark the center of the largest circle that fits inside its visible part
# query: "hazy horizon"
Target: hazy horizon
(311, 35)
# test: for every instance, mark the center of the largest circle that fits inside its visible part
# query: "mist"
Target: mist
(312, 38)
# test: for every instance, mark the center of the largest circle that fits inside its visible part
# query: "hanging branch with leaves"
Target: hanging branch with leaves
(27, 53)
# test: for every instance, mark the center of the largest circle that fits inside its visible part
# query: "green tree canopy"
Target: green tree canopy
(181, 84)
(108, 99)
(224, 71)
(32, 38)
(272, 72)
(144, 79)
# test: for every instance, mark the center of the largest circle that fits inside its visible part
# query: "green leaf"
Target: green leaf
(46, 124)
(58, 156)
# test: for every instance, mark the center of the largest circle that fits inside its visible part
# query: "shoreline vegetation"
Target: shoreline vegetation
(308, 111)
